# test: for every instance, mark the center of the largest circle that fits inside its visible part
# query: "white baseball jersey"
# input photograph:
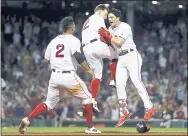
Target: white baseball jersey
(124, 31)
(91, 27)
(60, 52)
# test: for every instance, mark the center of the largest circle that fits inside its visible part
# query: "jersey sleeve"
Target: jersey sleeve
(48, 51)
(76, 46)
(124, 32)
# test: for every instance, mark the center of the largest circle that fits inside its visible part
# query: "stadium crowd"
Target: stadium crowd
(163, 46)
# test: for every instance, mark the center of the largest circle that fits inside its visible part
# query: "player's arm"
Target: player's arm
(82, 61)
(80, 57)
(45, 63)
(118, 41)
(115, 40)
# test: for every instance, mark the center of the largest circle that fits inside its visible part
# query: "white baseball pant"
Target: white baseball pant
(130, 65)
(70, 82)
(95, 52)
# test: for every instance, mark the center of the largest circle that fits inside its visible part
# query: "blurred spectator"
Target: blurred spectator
(59, 112)
(166, 123)
(8, 29)
(27, 31)
(139, 110)
(34, 99)
(162, 63)
(3, 84)
(19, 110)
(114, 112)
(180, 94)
(16, 38)
(179, 114)
(71, 110)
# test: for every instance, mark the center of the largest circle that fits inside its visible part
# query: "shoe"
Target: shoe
(112, 84)
(123, 118)
(24, 125)
(92, 130)
(148, 113)
(95, 107)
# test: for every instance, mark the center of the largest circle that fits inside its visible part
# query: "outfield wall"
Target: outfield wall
(106, 123)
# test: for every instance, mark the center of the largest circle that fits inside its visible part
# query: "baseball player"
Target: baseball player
(95, 49)
(62, 53)
(129, 64)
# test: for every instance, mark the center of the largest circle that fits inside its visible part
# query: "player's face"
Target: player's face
(104, 14)
(113, 20)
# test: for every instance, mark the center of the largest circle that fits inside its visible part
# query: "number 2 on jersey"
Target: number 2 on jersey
(60, 48)
(86, 25)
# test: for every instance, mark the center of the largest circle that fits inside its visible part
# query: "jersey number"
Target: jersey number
(60, 48)
(86, 25)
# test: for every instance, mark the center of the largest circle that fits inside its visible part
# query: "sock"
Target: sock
(42, 107)
(113, 66)
(95, 84)
(88, 109)
(123, 108)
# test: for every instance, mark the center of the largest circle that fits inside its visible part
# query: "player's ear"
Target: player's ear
(73, 29)
(99, 12)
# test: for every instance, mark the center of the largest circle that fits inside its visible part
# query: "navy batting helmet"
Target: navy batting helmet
(141, 127)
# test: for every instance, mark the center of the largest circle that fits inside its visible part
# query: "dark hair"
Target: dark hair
(67, 22)
(116, 12)
(101, 7)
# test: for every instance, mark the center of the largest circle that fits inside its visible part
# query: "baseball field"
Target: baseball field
(79, 131)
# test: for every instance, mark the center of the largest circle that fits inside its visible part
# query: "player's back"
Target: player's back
(60, 52)
(91, 27)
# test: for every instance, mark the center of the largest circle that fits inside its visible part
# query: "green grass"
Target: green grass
(81, 129)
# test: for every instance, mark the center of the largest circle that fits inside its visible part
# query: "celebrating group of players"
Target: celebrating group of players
(98, 42)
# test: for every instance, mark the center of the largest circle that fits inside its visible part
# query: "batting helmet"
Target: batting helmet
(141, 127)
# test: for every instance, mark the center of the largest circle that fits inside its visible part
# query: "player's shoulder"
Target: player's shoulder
(92, 18)
(55, 38)
(123, 24)
(52, 41)
(74, 41)
(95, 17)
(74, 38)
(68, 37)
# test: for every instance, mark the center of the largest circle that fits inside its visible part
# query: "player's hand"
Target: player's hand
(108, 42)
(104, 33)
